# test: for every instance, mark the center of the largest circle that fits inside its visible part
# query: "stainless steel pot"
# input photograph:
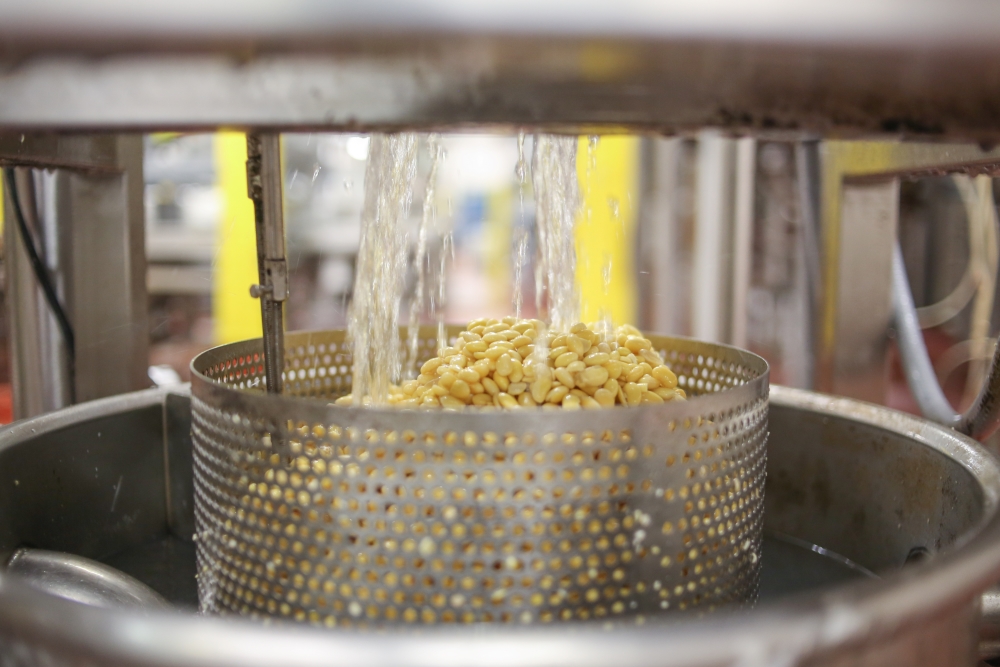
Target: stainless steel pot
(111, 480)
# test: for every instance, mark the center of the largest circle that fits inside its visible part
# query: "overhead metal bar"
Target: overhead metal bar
(844, 68)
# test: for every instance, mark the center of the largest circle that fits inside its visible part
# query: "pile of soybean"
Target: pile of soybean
(513, 364)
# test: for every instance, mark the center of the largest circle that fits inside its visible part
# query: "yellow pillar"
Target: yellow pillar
(605, 229)
(235, 313)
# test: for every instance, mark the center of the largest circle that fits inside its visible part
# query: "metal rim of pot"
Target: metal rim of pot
(855, 614)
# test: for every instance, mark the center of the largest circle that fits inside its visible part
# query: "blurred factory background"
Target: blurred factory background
(706, 235)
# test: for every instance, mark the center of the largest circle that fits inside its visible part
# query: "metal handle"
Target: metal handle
(983, 416)
(82, 580)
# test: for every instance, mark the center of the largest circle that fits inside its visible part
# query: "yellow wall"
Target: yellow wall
(608, 173)
(236, 314)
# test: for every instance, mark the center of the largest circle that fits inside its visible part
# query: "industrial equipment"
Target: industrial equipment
(882, 529)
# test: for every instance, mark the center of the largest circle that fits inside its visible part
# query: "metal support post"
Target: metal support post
(658, 250)
(711, 298)
(264, 188)
(723, 237)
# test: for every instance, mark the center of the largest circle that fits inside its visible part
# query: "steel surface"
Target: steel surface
(82, 580)
(355, 516)
(884, 67)
(925, 616)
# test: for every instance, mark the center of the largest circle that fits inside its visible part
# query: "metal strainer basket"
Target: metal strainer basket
(370, 517)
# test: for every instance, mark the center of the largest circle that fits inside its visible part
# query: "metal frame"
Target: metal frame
(98, 234)
(883, 66)
(264, 185)
(860, 187)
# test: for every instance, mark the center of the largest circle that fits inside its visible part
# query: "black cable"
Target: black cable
(42, 274)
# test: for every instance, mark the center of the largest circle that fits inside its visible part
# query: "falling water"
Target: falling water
(381, 266)
(520, 230)
(447, 252)
(557, 199)
(426, 223)
(592, 143)
(606, 325)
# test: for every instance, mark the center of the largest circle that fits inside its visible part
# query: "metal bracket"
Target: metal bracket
(276, 281)
(276, 271)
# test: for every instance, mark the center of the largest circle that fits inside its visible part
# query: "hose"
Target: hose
(917, 365)
(940, 312)
(982, 417)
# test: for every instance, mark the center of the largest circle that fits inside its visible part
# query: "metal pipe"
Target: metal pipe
(808, 183)
(660, 308)
(743, 217)
(264, 188)
(711, 300)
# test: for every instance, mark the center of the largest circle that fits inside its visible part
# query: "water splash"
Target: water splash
(520, 260)
(606, 324)
(557, 200)
(381, 266)
(447, 251)
(426, 223)
(616, 210)
(520, 230)
(592, 143)
(208, 573)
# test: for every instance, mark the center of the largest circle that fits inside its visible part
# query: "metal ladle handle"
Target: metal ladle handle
(983, 416)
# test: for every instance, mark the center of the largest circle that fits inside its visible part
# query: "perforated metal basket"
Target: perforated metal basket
(352, 516)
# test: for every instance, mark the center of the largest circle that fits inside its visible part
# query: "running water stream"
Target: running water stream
(447, 252)
(520, 229)
(373, 325)
(421, 261)
(557, 200)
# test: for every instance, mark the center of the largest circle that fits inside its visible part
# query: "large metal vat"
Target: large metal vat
(111, 480)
